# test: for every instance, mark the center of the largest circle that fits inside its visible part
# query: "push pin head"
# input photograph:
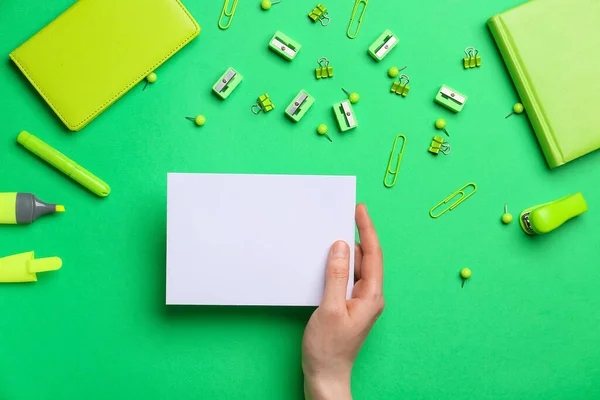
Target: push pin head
(394, 71)
(151, 78)
(507, 218)
(322, 130)
(465, 274)
(266, 4)
(353, 97)
(517, 109)
(199, 120)
(440, 123)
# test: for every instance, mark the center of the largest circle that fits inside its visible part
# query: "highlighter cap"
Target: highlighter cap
(89, 181)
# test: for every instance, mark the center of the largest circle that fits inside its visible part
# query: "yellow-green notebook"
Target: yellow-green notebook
(552, 51)
(97, 50)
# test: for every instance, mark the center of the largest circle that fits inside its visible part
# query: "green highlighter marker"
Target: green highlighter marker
(24, 208)
(64, 164)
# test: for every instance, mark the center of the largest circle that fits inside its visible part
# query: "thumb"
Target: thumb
(336, 276)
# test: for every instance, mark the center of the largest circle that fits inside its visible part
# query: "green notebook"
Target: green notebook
(552, 51)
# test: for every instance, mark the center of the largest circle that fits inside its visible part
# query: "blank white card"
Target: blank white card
(255, 239)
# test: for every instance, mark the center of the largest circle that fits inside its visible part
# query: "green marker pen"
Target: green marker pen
(64, 164)
(24, 208)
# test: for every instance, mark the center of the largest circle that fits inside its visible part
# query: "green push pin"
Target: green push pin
(322, 130)
(266, 4)
(465, 274)
(517, 109)
(440, 123)
(507, 218)
(394, 71)
(150, 79)
(354, 97)
(199, 120)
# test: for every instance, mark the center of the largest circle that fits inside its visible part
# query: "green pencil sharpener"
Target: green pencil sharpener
(299, 106)
(345, 115)
(284, 46)
(383, 45)
(451, 99)
(545, 218)
(227, 83)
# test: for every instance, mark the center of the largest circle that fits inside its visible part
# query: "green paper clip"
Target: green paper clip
(547, 217)
(345, 115)
(451, 99)
(284, 46)
(390, 171)
(319, 13)
(299, 106)
(263, 104)
(439, 145)
(401, 87)
(324, 70)
(360, 18)
(227, 82)
(383, 45)
(225, 13)
(23, 267)
(473, 59)
(460, 192)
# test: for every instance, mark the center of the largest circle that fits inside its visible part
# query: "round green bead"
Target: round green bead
(265, 4)
(393, 72)
(200, 120)
(518, 108)
(440, 123)
(151, 78)
(507, 218)
(354, 97)
(322, 129)
(465, 273)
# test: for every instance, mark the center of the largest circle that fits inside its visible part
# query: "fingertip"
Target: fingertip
(340, 249)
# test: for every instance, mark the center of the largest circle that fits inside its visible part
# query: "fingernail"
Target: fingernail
(340, 250)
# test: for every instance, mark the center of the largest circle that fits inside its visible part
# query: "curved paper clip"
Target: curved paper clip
(389, 170)
(353, 16)
(229, 14)
(460, 192)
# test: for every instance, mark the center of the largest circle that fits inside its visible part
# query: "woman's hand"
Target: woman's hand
(338, 328)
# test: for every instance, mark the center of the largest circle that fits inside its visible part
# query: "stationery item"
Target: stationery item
(324, 70)
(284, 46)
(401, 87)
(228, 15)
(440, 123)
(539, 41)
(266, 4)
(97, 50)
(465, 274)
(227, 83)
(507, 218)
(382, 46)
(24, 267)
(472, 59)
(319, 13)
(390, 170)
(64, 164)
(545, 218)
(438, 145)
(357, 4)
(322, 130)
(353, 97)
(151, 78)
(451, 99)
(344, 115)
(24, 208)
(394, 71)
(461, 195)
(199, 120)
(224, 251)
(299, 106)
(263, 104)
(517, 109)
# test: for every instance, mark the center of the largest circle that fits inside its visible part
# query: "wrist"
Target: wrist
(320, 388)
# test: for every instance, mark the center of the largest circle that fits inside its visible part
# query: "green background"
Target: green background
(526, 326)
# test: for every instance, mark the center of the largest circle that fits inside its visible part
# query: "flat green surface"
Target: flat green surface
(526, 325)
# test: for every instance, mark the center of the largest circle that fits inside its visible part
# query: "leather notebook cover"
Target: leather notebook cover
(550, 48)
(97, 50)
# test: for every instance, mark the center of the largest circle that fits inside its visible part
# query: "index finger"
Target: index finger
(372, 257)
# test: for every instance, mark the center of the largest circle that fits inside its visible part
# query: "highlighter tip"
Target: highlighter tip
(60, 209)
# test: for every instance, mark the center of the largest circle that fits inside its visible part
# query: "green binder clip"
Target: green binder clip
(451, 99)
(319, 13)
(24, 268)
(227, 83)
(473, 59)
(438, 145)
(545, 218)
(345, 115)
(284, 46)
(401, 87)
(383, 45)
(324, 70)
(299, 106)
(263, 104)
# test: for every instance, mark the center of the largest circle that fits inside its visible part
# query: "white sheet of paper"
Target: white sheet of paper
(255, 239)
